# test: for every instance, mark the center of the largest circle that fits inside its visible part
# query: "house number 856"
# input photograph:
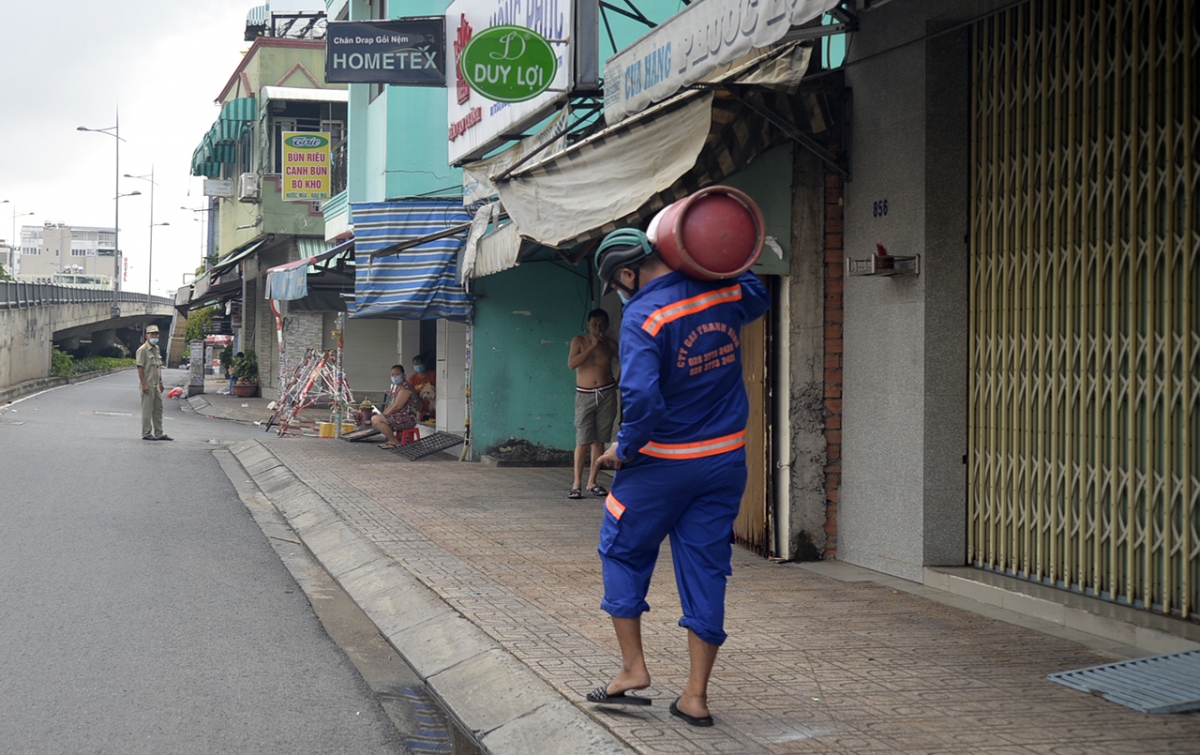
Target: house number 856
(879, 208)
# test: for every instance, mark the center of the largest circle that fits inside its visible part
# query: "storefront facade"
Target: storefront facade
(1026, 404)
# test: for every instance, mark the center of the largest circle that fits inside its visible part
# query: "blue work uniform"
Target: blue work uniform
(681, 445)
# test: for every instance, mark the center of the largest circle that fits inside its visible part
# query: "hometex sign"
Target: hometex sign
(404, 52)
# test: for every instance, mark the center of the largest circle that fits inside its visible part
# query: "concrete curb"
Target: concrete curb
(505, 706)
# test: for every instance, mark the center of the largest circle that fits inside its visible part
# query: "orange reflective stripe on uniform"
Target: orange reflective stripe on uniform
(696, 450)
(614, 506)
(663, 315)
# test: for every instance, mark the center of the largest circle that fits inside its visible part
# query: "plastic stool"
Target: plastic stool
(411, 435)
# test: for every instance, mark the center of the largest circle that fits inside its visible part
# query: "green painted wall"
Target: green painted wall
(525, 319)
(416, 144)
(398, 141)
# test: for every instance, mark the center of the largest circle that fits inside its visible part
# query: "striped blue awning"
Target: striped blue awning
(420, 282)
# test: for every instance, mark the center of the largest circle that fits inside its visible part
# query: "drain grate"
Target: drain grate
(1161, 684)
(427, 445)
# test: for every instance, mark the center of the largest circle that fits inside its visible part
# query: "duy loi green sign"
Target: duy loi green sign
(508, 63)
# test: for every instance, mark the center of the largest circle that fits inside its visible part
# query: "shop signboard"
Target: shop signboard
(692, 44)
(402, 52)
(478, 124)
(305, 166)
(508, 63)
(218, 187)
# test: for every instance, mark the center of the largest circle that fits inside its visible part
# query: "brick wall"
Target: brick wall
(301, 331)
(834, 315)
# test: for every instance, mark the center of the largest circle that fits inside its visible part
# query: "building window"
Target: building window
(335, 129)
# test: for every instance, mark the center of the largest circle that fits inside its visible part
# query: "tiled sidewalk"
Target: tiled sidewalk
(813, 665)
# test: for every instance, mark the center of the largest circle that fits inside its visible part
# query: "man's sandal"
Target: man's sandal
(600, 696)
(575, 494)
(598, 490)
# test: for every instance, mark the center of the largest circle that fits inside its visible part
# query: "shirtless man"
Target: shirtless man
(595, 398)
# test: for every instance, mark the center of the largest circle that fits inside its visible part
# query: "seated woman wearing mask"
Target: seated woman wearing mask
(401, 412)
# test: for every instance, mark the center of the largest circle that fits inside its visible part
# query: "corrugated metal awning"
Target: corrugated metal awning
(236, 257)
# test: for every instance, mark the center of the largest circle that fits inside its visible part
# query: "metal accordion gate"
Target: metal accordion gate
(1085, 334)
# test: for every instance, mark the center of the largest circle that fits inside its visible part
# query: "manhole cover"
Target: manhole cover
(1161, 684)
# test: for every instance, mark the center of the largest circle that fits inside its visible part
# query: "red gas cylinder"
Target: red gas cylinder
(715, 233)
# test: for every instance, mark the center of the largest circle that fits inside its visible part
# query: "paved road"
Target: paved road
(141, 607)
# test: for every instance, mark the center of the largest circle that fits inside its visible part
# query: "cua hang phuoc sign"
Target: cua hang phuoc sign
(404, 52)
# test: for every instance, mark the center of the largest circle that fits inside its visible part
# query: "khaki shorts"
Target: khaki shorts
(595, 414)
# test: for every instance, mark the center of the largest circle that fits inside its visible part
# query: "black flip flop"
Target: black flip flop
(600, 696)
(575, 494)
(598, 490)
(691, 720)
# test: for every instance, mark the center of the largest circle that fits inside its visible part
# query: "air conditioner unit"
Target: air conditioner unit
(248, 187)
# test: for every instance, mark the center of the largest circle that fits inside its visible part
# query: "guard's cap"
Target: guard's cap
(152, 329)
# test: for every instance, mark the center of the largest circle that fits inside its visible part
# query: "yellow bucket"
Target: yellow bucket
(325, 430)
(347, 428)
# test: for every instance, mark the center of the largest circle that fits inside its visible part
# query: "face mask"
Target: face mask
(397, 379)
(418, 368)
(621, 295)
(153, 341)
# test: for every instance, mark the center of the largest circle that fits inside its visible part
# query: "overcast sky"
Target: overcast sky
(162, 63)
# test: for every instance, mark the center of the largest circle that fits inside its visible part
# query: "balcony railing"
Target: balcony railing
(15, 294)
(337, 180)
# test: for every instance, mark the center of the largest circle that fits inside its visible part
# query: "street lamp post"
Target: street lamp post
(115, 132)
(12, 242)
(204, 232)
(117, 256)
(150, 265)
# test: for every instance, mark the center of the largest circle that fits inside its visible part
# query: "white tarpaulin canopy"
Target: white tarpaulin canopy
(604, 177)
(644, 162)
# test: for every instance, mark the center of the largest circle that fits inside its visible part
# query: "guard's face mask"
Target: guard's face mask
(153, 341)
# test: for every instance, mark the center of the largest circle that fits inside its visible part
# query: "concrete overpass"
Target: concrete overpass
(34, 317)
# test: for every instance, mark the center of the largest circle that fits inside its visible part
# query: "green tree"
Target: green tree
(199, 324)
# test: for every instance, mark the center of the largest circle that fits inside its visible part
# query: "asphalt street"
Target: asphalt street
(142, 610)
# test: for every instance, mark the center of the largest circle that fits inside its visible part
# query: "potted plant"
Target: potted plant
(226, 357)
(245, 373)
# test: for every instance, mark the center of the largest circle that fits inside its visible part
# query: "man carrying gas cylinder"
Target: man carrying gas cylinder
(680, 455)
